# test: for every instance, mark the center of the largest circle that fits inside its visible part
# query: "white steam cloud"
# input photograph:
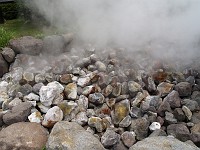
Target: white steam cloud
(165, 27)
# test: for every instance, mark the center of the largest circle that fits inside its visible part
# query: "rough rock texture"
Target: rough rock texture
(18, 113)
(3, 66)
(162, 143)
(8, 54)
(23, 136)
(70, 135)
(27, 45)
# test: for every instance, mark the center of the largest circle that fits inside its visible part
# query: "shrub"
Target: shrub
(10, 10)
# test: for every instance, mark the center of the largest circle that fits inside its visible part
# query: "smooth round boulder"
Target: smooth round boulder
(162, 142)
(23, 135)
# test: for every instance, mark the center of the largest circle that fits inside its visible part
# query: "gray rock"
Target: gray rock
(164, 106)
(158, 132)
(134, 88)
(82, 103)
(37, 87)
(28, 77)
(66, 78)
(81, 118)
(184, 89)
(162, 142)
(8, 54)
(18, 113)
(109, 138)
(135, 112)
(70, 135)
(140, 126)
(3, 66)
(40, 78)
(119, 146)
(31, 97)
(24, 136)
(195, 117)
(195, 131)
(179, 131)
(179, 114)
(128, 138)
(190, 104)
(117, 90)
(169, 118)
(196, 96)
(25, 89)
(173, 99)
(125, 122)
(100, 66)
(96, 98)
(26, 45)
(14, 102)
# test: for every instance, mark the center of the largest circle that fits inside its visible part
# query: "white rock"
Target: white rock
(3, 86)
(187, 112)
(82, 82)
(52, 116)
(155, 126)
(35, 117)
(50, 92)
(71, 91)
(31, 97)
(82, 103)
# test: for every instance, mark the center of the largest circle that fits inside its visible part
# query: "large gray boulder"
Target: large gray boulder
(27, 45)
(23, 136)
(3, 66)
(71, 136)
(162, 143)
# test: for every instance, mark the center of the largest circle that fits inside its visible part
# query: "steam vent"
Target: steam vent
(52, 97)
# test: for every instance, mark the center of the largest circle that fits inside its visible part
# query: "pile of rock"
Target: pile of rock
(116, 101)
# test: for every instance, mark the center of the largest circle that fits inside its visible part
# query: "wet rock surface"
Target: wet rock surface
(97, 99)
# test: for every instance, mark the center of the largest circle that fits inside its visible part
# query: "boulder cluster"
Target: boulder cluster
(55, 96)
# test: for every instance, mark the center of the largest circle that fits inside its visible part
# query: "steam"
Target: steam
(168, 28)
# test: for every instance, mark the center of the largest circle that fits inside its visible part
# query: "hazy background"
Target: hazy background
(169, 28)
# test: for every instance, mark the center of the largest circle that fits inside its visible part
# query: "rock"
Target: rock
(196, 96)
(97, 123)
(150, 102)
(28, 77)
(83, 81)
(173, 99)
(82, 103)
(26, 45)
(50, 93)
(134, 88)
(140, 127)
(70, 109)
(179, 131)
(119, 146)
(151, 87)
(70, 135)
(169, 118)
(31, 97)
(109, 138)
(15, 75)
(96, 98)
(155, 126)
(164, 88)
(125, 122)
(195, 117)
(23, 135)
(3, 66)
(120, 111)
(179, 114)
(8, 54)
(184, 89)
(100, 66)
(110, 102)
(14, 102)
(54, 44)
(37, 87)
(52, 116)
(108, 90)
(162, 142)
(128, 138)
(43, 108)
(190, 104)
(66, 78)
(71, 91)
(116, 90)
(195, 131)
(81, 118)
(164, 106)
(158, 132)
(187, 112)
(135, 112)
(18, 113)
(124, 88)
(35, 117)
(40, 78)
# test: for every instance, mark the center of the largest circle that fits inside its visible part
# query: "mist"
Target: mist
(168, 28)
